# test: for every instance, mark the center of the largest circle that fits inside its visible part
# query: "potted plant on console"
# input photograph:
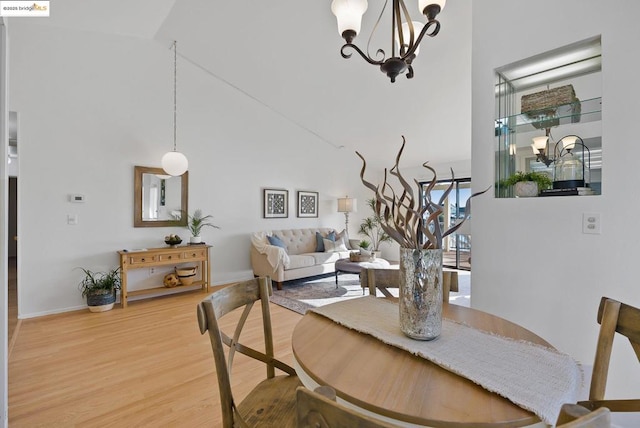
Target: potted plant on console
(100, 288)
(528, 184)
(196, 222)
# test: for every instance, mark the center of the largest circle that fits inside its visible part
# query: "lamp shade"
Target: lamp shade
(569, 142)
(347, 205)
(175, 163)
(349, 14)
(423, 4)
(540, 143)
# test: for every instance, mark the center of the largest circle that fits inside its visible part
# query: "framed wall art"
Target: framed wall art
(307, 204)
(276, 203)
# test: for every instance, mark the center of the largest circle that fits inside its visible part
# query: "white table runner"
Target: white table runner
(532, 376)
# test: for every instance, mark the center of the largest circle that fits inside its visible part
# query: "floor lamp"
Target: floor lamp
(347, 205)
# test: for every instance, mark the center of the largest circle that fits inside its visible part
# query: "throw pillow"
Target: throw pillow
(319, 243)
(334, 246)
(345, 238)
(274, 240)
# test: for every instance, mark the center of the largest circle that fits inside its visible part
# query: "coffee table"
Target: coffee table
(347, 266)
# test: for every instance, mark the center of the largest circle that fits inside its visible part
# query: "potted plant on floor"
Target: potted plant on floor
(528, 184)
(372, 229)
(100, 288)
(196, 222)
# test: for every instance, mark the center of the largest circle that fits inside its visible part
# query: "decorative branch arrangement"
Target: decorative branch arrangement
(407, 221)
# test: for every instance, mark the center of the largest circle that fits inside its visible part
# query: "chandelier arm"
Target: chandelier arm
(407, 17)
(362, 54)
(424, 32)
(375, 28)
(409, 72)
(396, 26)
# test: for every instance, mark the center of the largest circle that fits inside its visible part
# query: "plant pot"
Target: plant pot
(420, 298)
(195, 239)
(526, 189)
(101, 302)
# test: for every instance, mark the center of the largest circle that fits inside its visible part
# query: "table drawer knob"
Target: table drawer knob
(143, 259)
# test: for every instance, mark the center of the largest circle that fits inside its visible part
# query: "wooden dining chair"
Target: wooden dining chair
(319, 409)
(614, 317)
(383, 279)
(575, 416)
(272, 403)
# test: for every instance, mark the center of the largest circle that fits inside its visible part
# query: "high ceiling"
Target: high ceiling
(285, 55)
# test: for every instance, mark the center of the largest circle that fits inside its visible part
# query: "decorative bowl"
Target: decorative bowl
(172, 242)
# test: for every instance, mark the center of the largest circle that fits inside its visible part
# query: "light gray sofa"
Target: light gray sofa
(300, 258)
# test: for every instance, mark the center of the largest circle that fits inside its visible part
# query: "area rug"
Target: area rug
(299, 296)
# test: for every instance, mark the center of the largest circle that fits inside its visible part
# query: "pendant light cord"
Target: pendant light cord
(175, 72)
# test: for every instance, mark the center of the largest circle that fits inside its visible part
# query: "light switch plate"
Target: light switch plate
(591, 223)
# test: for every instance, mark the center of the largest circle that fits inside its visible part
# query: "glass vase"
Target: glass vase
(420, 298)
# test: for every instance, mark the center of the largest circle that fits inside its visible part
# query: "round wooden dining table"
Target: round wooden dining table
(397, 386)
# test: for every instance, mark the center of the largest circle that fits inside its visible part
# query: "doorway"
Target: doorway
(12, 228)
(457, 246)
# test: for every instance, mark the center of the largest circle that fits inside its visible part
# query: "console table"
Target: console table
(138, 259)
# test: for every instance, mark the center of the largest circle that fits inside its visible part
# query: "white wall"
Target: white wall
(532, 264)
(92, 106)
(4, 117)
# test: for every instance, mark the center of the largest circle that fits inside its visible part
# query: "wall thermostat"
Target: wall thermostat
(76, 198)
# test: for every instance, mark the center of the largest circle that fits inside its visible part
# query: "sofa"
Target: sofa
(296, 253)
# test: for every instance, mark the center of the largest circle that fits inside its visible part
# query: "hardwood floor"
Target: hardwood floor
(144, 366)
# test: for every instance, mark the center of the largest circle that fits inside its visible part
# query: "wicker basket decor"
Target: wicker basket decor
(544, 102)
(357, 257)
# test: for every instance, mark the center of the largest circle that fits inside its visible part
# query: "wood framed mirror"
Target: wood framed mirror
(160, 200)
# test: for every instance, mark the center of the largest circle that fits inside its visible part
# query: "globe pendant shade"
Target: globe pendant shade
(175, 163)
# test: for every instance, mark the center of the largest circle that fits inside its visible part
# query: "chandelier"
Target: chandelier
(406, 34)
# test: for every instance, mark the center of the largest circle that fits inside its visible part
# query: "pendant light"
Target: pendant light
(173, 162)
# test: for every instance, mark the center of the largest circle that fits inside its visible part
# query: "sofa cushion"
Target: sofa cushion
(322, 258)
(274, 240)
(301, 261)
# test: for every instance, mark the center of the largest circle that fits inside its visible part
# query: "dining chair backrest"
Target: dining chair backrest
(383, 279)
(575, 416)
(210, 311)
(320, 410)
(614, 317)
